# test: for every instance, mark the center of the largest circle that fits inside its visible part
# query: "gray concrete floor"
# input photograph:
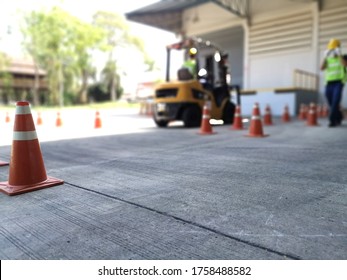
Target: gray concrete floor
(174, 194)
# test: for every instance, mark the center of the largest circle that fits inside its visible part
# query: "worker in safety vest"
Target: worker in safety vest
(190, 64)
(334, 64)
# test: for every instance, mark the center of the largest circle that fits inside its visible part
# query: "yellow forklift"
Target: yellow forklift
(184, 98)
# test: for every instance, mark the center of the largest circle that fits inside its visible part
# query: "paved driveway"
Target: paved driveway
(170, 193)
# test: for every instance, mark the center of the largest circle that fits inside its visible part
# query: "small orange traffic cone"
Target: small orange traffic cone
(7, 119)
(319, 110)
(237, 124)
(302, 112)
(256, 127)
(206, 128)
(285, 115)
(27, 170)
(58, 122)
(267, 116)
(325, 111)
(39, 119)
(97, 123)
(312, 116)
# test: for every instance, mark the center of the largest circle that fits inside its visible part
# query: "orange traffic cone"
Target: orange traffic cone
(237, 124)
(256, 127)
(58, 122)
(303, 112)
(7, 119)
(312, 116)
(319, 110)
(267, 116)
(39, 119)
(325, 111)
(27, 170)
(97, 123)
(285, 115)
(206, 127)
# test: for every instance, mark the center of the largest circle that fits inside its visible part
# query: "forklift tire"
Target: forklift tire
(191, 116)
(161, 123)
(228, 113)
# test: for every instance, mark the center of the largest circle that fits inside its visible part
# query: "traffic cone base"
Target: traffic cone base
(97, 123)
(267, 116)
(256, 127)
(39, 119)
(312, 116)
(237, 128)
(206, 128)
(207, 133)
(58, 121)
(302, 112)
(286, 115)
(7, 119)
(237, 123)
(27, 170)
(258, 134)
(10, 190)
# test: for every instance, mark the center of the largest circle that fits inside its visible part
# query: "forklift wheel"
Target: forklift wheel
(191, 116)
(228, 113)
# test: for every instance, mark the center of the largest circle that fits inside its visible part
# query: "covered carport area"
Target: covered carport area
(195, 18)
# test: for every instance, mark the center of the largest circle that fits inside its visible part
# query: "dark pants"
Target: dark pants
(333, 93)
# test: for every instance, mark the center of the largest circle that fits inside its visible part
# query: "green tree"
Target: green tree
(117, 37)
(62, 45)
(6, 80)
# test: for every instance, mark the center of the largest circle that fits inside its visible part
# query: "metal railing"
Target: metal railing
(305, 80)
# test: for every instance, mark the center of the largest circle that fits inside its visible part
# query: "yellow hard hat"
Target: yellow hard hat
(333, 44)
(193, 51)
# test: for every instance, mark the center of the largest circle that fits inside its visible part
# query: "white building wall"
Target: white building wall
(277, 70)
(283, 35)
(208, 18)
(279, 43)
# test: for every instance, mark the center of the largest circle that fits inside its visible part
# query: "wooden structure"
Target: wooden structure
(19, 80)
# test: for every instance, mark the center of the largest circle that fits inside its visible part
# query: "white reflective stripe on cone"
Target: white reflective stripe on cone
(23, 110)
(255, 117)
(205, 116)
(24, 135)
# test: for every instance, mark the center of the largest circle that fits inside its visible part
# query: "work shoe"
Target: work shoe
(332, 125)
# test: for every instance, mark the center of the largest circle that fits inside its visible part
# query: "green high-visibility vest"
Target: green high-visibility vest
(191, 65)
(334, 71)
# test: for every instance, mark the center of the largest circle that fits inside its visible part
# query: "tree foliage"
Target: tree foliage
(6, 80)
(63, 45)
(117, 37)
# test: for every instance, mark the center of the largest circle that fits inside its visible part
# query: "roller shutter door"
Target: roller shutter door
(287, 33)
(333, 24)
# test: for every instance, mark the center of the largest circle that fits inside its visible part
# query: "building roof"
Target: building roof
(22, 66)
(166, 14)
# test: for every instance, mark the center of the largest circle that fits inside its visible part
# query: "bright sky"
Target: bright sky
(155, 40)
